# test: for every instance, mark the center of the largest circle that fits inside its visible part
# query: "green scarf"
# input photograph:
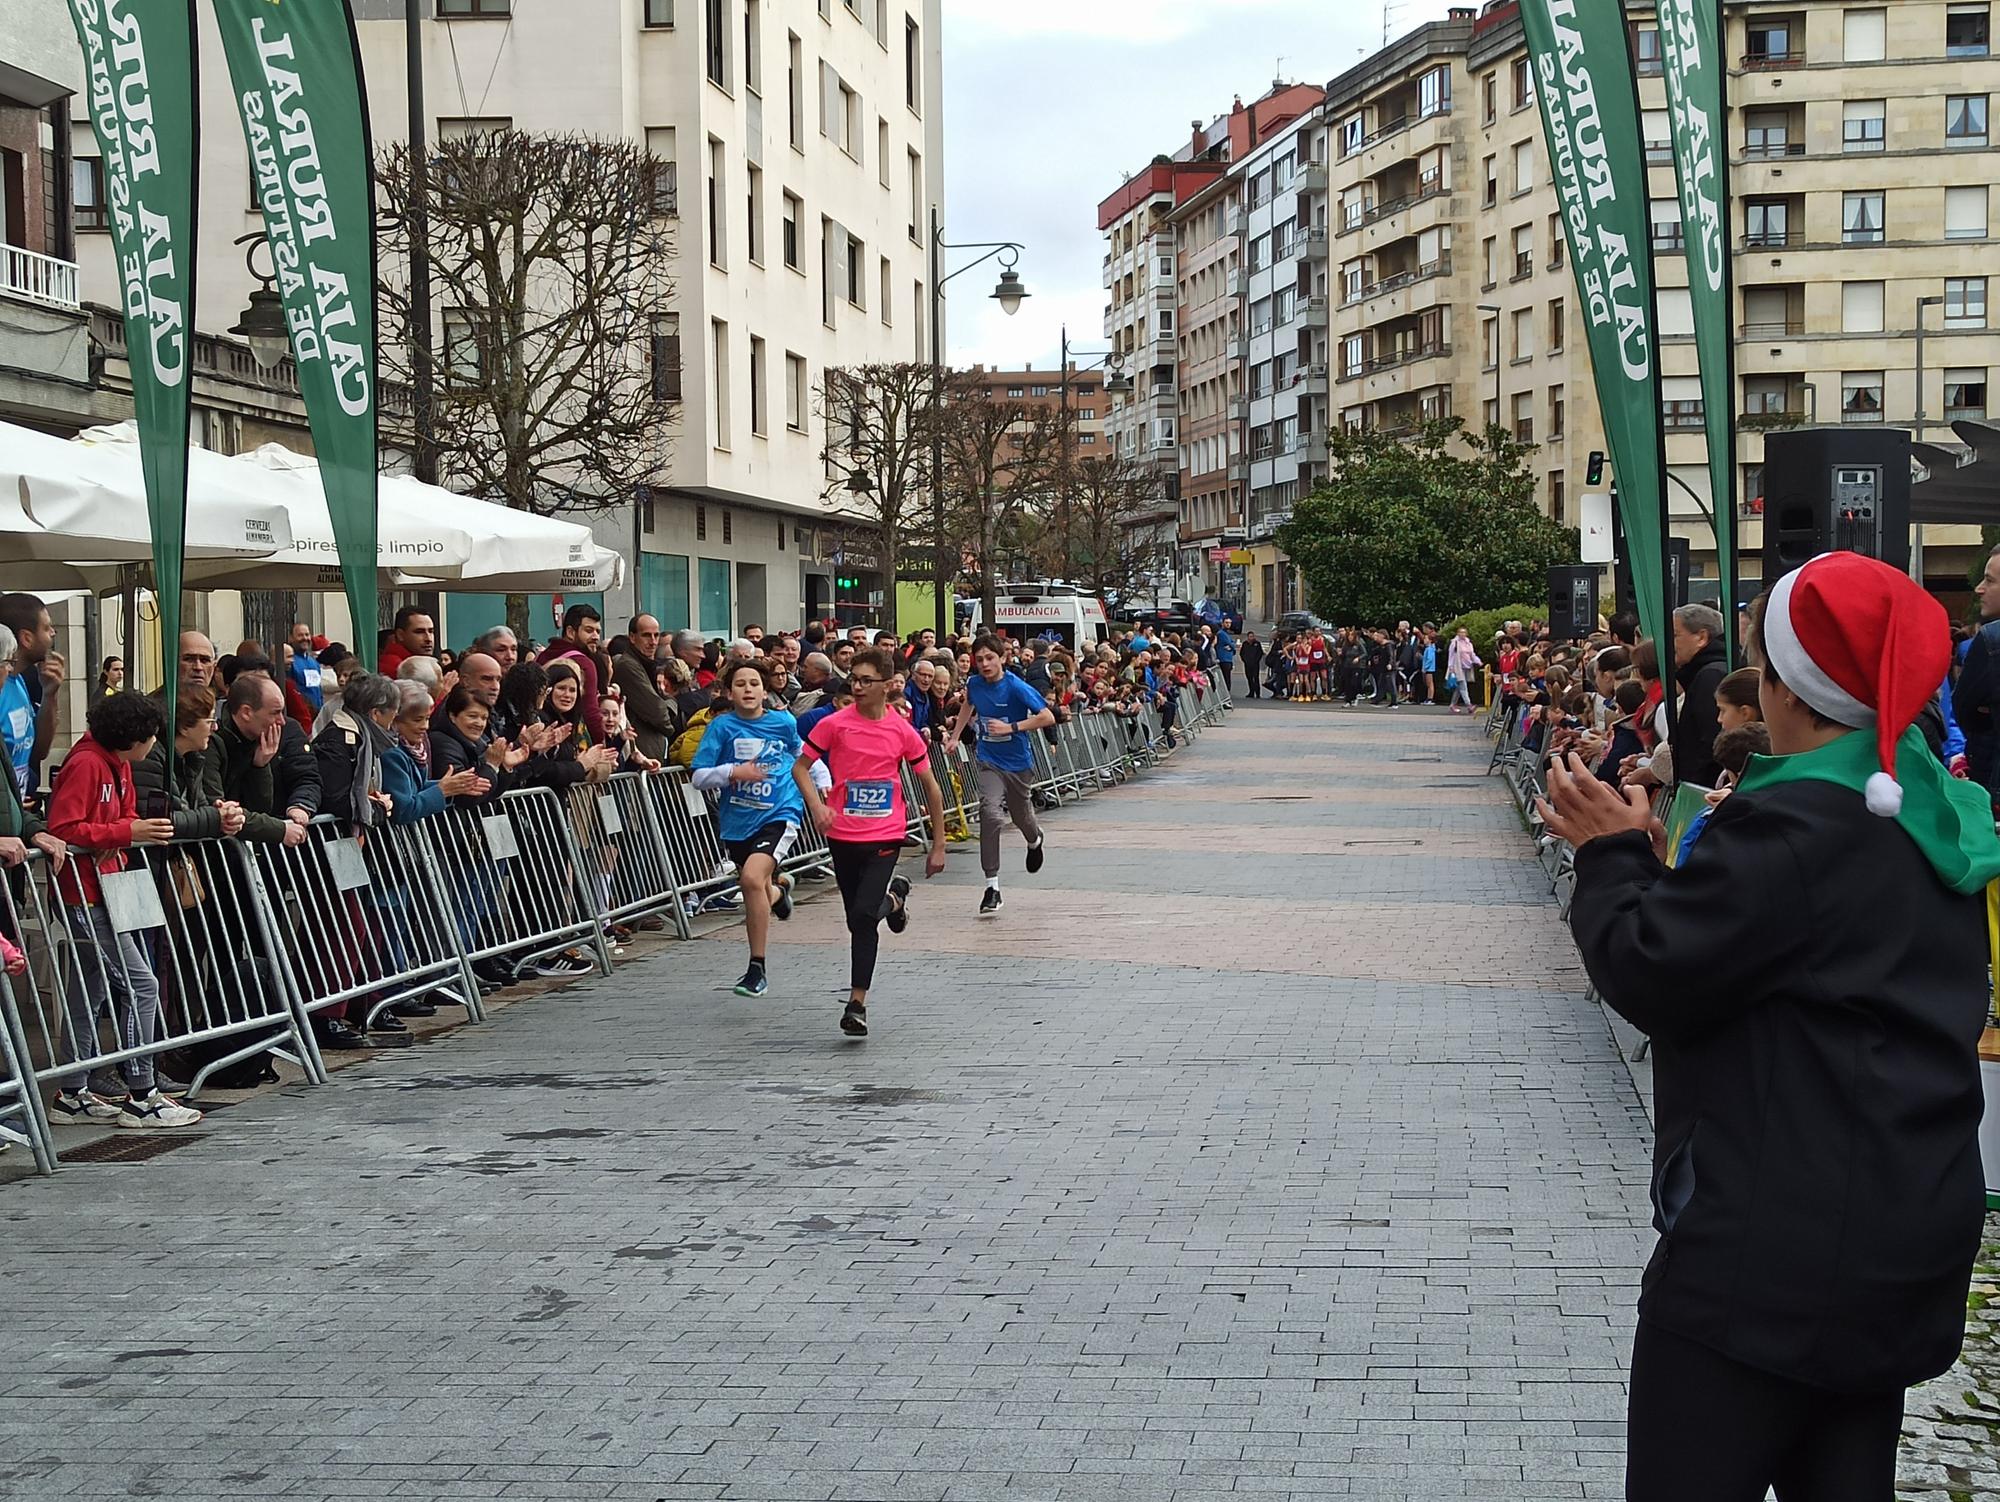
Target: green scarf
(1951, 820)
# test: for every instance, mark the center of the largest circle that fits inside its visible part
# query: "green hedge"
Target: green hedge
(1481, 624)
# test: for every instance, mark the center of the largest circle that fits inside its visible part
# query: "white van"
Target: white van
(1036, 609)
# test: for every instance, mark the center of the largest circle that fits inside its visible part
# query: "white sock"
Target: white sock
(1037, 844)
(992, 883)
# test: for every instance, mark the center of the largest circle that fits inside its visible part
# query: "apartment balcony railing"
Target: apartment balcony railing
(1770, 150)
(1402, 123)
(1312, 177)
(1315, 309)
(1765, 62)
(1406, 356)
(1774, 328)
(1770, 239)
(1757, 422)
(1312, 243)
(1440, 267)
(33, 277)
(1397, 205)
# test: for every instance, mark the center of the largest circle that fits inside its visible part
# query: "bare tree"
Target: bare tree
(559, 365)
(1103, 499)
(998, 460)
(879, 421)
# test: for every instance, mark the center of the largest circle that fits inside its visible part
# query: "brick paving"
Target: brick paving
(1265, 1145)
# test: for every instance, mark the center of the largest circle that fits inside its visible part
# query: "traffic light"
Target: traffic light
(1593, 474)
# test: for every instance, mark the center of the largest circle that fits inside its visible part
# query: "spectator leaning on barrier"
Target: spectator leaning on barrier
(461, 741)
(187, 773)
(632, 670)
(349, 749)
(249, 741)
(295, 773)
(413, 723)
(94, 809)
(31, 699)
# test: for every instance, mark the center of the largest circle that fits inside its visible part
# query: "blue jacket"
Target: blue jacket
(413, 795)
(1954, 738)
(1225, 644)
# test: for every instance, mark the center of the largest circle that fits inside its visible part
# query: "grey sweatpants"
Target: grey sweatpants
(1015, 791)
(110, 973)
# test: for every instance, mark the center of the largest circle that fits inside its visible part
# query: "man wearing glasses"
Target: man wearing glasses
(864, 818)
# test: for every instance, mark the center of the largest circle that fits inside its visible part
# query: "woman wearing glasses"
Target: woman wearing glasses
(864, 817)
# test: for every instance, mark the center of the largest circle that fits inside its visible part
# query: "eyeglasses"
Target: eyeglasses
(859, 682)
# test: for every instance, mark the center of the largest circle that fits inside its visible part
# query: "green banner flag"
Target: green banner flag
(1691, 49)
(139, 56)
(299, 89)
(1590, 114)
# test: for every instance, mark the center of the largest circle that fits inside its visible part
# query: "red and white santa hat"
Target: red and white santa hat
(1865, 646)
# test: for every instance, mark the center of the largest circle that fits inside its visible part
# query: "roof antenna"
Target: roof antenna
(1392, 12)
(1278, 74)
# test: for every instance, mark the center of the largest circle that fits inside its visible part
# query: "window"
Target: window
(1086, 414)
(719, 390)
(1867, 36)
(753, 47)
(854, 261)
(1086, 438)
(1965, 302)
(753, 241)
(1657, 130)
(464, 360)
(1352, 277)
(913, 65)
(1768, 133)
(1862, 125)
(1967, 31)
(795, 392)
(885, 301)
(718, 241)
(1017, 392)
(1492, 182)
(1489, 91)
(1524, 251)
(1524, 417)
(1774, 44)
(715, 612)
(1767, 224)
(1965, 213)
(759, 391)
(1490, 251)
(1861, 219)
(1558, 325)
(715, 44)
(1556, 496)
(1558, 246)
(701, 523)
(1676, 312)
(659, 12)
(794, 211)
(1965, 120)
(1524, 335)
(1558, 413)
(882, 151)
(1038, 389)
(660, 146)
(666, 355)
(1965, 395)
(86, 189)
(1681, 404)
(1664, 215)
(1646, 51)
(663, 589)
(916, 196)
(1524, 92)
(1768, 312)
(1861, 307)
(847, 125)
(475, 7)
(1489, 338)
(1259, 255)
(795, 91)
(1433, 93)
(1861, 396)
(1524, 167)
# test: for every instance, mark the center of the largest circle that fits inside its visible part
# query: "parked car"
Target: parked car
(1175, 615)
(1301, 620)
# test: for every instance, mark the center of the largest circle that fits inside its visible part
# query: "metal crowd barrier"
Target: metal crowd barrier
(362, 921)
(22, 1119)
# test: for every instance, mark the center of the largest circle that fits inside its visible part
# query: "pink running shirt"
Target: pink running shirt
(865, 759)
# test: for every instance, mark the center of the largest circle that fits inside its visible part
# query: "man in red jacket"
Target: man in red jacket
(94, 808)
(582, 638)
(415, 636)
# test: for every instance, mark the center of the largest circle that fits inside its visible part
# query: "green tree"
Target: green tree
(1423, 526)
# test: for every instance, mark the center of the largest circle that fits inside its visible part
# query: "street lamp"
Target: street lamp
(1496, 310)
(263, 321)
(1009, 293)
(1922, 424)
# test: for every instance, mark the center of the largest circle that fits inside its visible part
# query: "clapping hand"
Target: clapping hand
(1580, 808)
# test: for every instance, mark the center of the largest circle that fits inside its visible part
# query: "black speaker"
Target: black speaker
(1573, 601)
(1835, 490)
(1680, 569)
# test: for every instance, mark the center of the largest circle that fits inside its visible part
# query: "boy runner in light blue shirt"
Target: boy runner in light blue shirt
(1008, 711)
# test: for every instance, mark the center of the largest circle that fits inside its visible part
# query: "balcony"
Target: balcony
(1312, 379)
(1239, 284)
(37, 278)
(1775, 328)
(1316, 310)
(1766, 419)
(1771, 239)
(1772, 150)
(1397, 205)
(1312, 178)
(1767, 62)
(1406, 356)
(1311, 243)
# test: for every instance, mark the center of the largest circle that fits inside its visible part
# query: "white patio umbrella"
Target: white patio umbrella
(84, 503)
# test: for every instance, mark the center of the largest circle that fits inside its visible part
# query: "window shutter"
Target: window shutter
(666, 367)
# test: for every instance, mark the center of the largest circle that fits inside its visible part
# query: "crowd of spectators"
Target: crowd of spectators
(264, 741)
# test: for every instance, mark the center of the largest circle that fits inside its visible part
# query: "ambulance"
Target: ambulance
(1040, 610)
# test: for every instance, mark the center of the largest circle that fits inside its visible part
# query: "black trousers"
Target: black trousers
(1704, 1428)
(861, 869)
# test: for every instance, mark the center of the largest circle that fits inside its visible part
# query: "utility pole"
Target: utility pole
(940, 575)
(423, 453)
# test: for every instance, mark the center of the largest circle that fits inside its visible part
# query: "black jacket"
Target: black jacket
(1700, 722)
(1815, 997)
(255, 787)
(452, 752)
(650, 715)
(1973, 700)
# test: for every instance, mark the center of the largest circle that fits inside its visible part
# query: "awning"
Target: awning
(1961, 489)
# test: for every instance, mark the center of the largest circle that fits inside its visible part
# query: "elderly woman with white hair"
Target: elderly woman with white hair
(423, 670)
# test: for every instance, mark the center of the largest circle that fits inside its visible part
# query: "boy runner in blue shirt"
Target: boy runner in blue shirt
(745, 759)
(1008, 711)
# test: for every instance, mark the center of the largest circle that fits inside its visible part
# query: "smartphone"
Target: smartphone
(154, 805)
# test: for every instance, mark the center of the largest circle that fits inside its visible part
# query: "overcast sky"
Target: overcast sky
(1050, 104)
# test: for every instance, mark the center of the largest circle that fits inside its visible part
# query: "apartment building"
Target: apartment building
(1089, 403)
(806, 142)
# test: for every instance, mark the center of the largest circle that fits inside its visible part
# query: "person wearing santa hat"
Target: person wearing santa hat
(1814, 980)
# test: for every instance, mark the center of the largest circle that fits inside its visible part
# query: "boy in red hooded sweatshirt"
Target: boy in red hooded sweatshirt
(95, 807)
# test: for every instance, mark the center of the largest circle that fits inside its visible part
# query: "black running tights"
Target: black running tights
(863, 868)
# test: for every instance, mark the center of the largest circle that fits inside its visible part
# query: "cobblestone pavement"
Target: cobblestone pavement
(1265, 1144)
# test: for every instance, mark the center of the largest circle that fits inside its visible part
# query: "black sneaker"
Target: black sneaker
(340, 1035)
(753, 983)
(1036, 855)
(387, 1022)
(782, 908)
(898, 915)
(416, 1006)
(990, 903)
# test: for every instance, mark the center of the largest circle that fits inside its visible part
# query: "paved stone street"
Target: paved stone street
(1265, 1144)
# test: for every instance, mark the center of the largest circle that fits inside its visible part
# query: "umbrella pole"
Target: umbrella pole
(128, 620)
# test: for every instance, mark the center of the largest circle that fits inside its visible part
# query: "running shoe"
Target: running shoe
(561, 966)
(1036, 855)
(782, 908)
(989, 905)
(85, 1105)
(854, 1021)
(898, 915)
(154, 1110)
(753, 983)
(723, 902)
